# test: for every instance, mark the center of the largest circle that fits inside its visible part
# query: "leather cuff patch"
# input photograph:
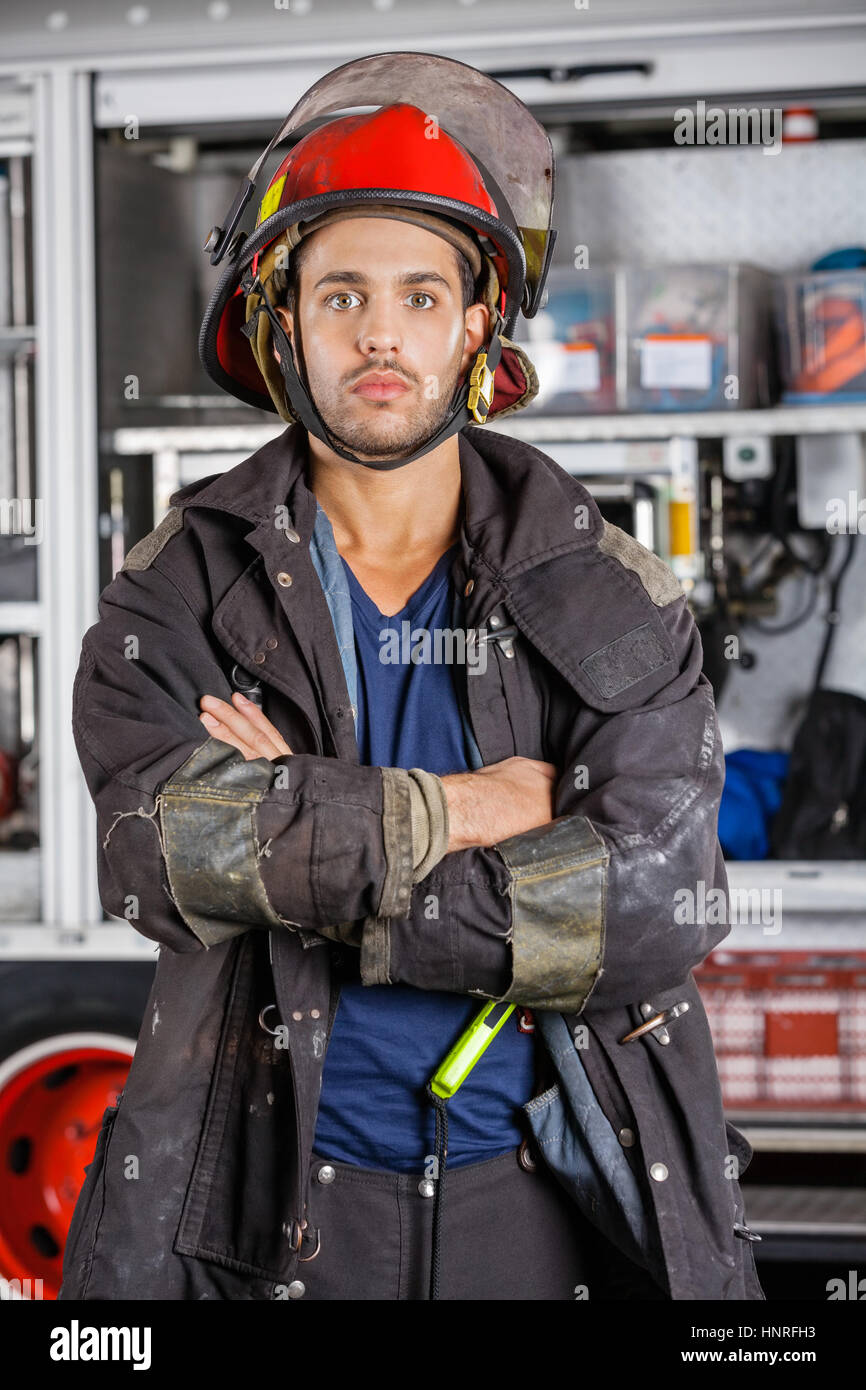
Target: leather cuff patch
(558, 878)
(207, 814)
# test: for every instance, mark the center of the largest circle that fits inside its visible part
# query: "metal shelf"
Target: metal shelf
(819, 1211)
(565, 429)
(20, 619)
(799, 1131)
(803, 905)
(188, 439)
(13, 339)
(47, 941)
(809, 885)
(710, 424)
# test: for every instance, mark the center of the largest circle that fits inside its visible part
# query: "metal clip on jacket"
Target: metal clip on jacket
(247, 684)
(504, 635)
(655, 1023)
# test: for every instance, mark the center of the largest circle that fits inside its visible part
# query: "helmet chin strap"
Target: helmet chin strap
(470, 404)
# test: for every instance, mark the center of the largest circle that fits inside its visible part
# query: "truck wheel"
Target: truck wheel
(67, 1035)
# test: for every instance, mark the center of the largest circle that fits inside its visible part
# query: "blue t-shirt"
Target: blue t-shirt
(388, 1040)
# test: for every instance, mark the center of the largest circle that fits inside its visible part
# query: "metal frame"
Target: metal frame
(813, 53)
(58, 103)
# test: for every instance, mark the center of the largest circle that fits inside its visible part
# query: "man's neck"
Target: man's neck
(396, 514)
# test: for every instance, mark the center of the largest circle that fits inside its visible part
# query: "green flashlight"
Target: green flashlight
(453, 1071)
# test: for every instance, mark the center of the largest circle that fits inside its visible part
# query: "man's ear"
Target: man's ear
(285, 317)
(477, 332)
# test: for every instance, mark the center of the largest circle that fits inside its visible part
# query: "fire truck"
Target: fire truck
(123, 137)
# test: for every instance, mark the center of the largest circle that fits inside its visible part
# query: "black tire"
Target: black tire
(43, 1000)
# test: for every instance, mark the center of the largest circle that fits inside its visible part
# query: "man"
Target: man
(349, 864)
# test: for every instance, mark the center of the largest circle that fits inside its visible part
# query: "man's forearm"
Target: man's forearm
(465, 810)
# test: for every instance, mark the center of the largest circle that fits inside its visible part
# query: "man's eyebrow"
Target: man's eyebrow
(411, 277)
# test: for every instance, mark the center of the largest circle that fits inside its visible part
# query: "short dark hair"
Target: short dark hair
(293, 270)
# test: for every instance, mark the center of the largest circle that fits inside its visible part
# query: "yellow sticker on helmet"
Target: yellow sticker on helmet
(271, 200)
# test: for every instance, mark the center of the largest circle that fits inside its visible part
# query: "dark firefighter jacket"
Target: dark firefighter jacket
(253, 876)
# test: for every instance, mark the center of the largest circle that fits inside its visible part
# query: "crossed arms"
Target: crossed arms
(199, 842)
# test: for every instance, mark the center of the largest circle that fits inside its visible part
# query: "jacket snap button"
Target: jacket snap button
(296, 1289)
(626, 1138)
(495, 621)
(427, 1187)
(271, 643)
(291, 534)
(259, 657)
(658, 1171)
(284, 579)
(469, 587)
(326, 1173)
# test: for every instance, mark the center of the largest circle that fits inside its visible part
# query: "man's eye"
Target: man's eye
(347, 294)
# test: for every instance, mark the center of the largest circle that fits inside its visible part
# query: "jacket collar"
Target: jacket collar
(519, 505)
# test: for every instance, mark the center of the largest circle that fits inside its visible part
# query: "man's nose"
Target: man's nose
(380, 330)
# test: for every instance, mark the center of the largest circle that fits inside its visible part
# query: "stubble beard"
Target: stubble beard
(394, 436)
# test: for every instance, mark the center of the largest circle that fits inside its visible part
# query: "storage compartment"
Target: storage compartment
(572, 343)
(697, 337)
(822, 335)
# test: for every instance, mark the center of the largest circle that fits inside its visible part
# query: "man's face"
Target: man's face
(380, 295)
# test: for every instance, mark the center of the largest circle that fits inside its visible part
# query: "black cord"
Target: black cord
(441, 1147)
(801, 618)
(833, 616)
(779, 522)
(779, 532)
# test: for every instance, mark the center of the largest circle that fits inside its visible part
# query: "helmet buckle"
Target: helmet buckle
(480, 388)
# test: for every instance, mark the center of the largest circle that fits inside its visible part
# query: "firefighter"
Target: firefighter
(386, 724)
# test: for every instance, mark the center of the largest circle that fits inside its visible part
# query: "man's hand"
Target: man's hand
(498, 801)
(243, 725)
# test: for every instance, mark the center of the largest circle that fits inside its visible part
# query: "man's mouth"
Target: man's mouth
(378, 386)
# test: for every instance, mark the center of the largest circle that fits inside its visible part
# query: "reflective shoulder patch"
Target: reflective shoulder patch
(145, 551)
(658, 579)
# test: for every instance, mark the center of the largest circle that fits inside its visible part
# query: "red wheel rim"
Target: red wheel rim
(52, 1098)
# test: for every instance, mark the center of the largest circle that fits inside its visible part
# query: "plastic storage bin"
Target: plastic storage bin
(697, 337)
(572, 343)
(821, 322)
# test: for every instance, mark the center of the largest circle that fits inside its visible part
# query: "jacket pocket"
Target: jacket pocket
(237, 1211)
(78, 1250)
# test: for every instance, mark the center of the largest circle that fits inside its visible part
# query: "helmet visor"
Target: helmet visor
(486, 117)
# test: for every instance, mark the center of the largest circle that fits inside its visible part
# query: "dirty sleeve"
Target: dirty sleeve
(180, 853)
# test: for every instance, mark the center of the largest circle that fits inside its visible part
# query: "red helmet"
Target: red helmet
(394, 152)
(413, 160)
